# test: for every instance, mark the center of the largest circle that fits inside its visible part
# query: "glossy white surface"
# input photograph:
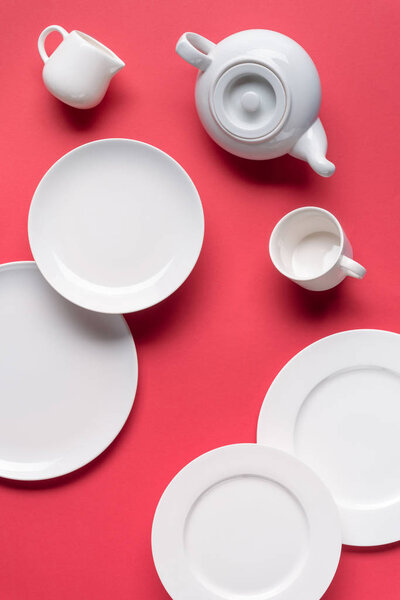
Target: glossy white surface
(245, 521)
(67, 378)
(336, 407)
(116, 226)
(79, 70)
(309, 246)
(258, 95)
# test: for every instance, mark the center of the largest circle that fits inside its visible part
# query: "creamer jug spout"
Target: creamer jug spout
(312, 147)
(115, 65)
(111, 62)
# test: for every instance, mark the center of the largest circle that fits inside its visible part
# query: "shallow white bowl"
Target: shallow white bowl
(116, 225)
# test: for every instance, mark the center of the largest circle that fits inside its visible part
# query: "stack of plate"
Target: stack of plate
(255, 522)
(114, 226)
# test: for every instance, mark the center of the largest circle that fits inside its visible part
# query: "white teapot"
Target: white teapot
(258, 95)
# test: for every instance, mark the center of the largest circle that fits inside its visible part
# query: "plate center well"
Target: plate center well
(117, 222)
(348, 432)
(246, 536)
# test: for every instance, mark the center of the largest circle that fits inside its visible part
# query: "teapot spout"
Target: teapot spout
(312, 147)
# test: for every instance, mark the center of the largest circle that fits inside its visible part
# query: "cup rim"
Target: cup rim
(286, 218)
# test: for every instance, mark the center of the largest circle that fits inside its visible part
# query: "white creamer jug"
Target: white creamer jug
(79, 70)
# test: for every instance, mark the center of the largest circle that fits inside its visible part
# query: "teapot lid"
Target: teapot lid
(249, 101)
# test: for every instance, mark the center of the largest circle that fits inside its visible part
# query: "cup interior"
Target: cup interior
(306, 243)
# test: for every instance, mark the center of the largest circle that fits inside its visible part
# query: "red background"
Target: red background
(208, 353)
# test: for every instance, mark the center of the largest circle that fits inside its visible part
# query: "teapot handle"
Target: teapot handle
(195, 48)
(43, 36)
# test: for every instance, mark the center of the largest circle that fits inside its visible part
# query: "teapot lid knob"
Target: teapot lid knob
(249, 101)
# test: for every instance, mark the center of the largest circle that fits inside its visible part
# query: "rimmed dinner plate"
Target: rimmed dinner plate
(116, 225)
(336, 406)
(68, 378)
(249, 522)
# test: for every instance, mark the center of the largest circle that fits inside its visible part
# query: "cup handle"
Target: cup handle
(351, 267)
(43, 36)
(195, 48)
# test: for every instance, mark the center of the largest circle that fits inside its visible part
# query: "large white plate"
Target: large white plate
(248, 522)
(67, 378)
(336, 406)
(116, 225)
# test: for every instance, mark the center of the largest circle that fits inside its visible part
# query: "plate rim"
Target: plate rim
(31, 264)
(122, 308)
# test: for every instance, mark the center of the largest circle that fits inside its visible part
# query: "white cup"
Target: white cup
(310, 247)
(80, 68)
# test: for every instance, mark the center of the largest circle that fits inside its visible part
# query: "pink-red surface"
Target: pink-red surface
(207, 354)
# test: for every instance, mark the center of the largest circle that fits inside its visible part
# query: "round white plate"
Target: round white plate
(248, 522)
(67, 378)
(116, 226)
(336, 406)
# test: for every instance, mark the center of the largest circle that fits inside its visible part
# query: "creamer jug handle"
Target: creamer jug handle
(43, 36)
(195, 49)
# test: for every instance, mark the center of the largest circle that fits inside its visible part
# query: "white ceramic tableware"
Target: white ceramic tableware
(310, 247)
(116, 225)
(245, 521)
(258, 95)
(79, 70)
(336, 407)
(67, 378)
